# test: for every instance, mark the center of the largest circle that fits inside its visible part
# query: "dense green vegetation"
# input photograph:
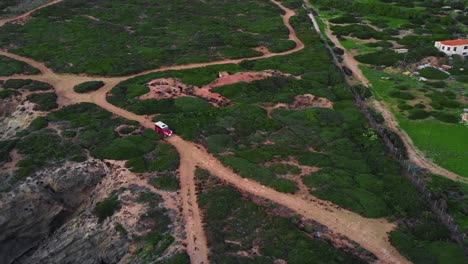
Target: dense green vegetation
(88, 86)
(163, 33)
(10, 66)
(43, 101)
(230, 217)
(107, 207)
(26, 84)
(432, 73)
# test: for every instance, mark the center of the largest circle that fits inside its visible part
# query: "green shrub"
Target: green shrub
(107, 207)
(26, 84)
(165, 182)
(8, 93)
(123, 148)
(88, 86)
(445, 117)
(38, 123)
(10, 66)
(384, 57)
(345, 19)
(401, 95)
(44, 101)
(433, 74)
(404, 107)
(462, 78)
(418, 114)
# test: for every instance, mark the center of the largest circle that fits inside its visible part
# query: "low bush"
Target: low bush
(384, 57)
(44, 101)
(26, 84)
(401, 95)
(88, 86)
(10, 66)
(38, 123)
(345, 19)
(165, 182)
(445, 117)
(404, 106)
(433, 74)
(418, 114)
(107, 207)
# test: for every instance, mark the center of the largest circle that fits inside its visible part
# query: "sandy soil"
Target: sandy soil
(371, 234)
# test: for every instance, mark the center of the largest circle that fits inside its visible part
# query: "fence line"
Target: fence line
(411, 171)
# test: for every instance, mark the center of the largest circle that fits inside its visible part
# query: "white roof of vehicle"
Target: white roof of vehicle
(161, 125)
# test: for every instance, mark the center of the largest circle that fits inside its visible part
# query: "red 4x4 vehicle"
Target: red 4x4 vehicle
(162, 129)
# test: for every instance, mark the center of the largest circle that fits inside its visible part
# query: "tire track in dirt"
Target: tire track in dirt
(415, 155)
(371, 234)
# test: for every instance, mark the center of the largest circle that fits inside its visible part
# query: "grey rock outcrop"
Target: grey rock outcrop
(32, 210)
(83, 241)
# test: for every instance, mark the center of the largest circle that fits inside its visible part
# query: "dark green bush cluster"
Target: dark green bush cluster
(359, 31)
(345, 19)
(384, 57)
(10, 66)
(401, 95)
(88, 86)
(44, 101)
(107, 207)
(418, 114)
(433, 73)
(26, 84)
(188, 31)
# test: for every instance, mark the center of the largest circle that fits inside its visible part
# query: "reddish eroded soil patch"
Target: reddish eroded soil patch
(309, 100)
(300, 102)
(173, 88)
(262, 49)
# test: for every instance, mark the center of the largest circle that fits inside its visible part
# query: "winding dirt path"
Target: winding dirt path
(7, 20)
(414, 154)
(371, 234)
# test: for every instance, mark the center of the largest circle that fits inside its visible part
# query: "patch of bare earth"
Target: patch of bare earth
(300, 102)
(19, 119)
(174, 88)
(264, 50)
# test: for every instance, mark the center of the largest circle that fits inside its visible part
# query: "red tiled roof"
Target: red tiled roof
(457, 42)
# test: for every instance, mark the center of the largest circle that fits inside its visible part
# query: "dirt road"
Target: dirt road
(7, 20)
(371, 234)
(414, 154)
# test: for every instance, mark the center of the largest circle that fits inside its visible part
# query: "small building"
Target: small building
(400, 50)
(451, 47)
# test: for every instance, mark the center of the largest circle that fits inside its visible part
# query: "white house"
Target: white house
(451, 47)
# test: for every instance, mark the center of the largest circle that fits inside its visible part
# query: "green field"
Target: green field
(446, 144)
(443, 142)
